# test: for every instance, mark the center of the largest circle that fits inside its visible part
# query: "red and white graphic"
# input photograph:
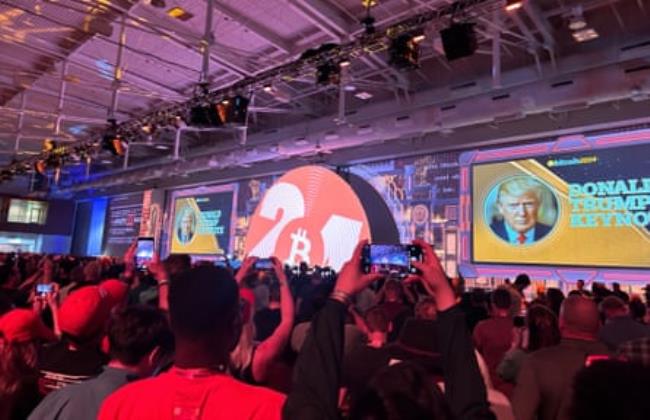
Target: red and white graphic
(309, 215)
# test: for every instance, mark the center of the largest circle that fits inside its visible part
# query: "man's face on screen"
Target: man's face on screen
(520, 212)
(186, 224)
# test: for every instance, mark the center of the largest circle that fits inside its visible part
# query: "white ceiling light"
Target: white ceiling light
(364, 96)
(585, 35)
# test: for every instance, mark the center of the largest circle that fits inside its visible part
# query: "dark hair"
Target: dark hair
(135, 331)
(543, 328)
(177, 263)
(376, 320)
(612, 304)
(637, 309)
(401, 392)
(611, 389)
(203, 302)
(274, 293)
(522, 281)
(501, 298)
(555, 298)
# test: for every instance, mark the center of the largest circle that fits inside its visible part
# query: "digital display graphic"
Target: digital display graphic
(588, 206)
(202, 222)
(390, 259)
(123, 223)
(309, 215)
(27, 211)
(144, 251)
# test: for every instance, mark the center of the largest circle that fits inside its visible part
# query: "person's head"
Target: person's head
(613, 307)
(522, 282)
(393, 291)
(611, 389)
(204, 312)
(377, 321)
(426, 309)
(579, 318)
(555, 297)
(543, 328)
(83, 315)
(518, 202)
(501, 301)
(177, 263)
(93, 272)
(616, 287)
(580, 285)
(139, 336)
(403, 391)
(187, 223)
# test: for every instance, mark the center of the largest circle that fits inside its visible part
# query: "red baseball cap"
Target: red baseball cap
(84, 312)
(20, 325)
(116, 291)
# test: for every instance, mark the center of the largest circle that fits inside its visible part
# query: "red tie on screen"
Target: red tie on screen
(521, 238)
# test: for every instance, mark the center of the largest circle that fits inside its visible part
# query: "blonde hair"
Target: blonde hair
(242, 356)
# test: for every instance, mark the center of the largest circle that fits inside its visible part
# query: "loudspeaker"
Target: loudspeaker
(459, 40)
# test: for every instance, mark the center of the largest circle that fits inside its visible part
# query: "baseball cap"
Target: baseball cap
(84, 312)
(21, 325)
(116, 291)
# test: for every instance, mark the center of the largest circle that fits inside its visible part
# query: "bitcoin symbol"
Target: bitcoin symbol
(300, 246)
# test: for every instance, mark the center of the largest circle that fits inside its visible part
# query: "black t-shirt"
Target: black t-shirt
(60, 366)
(361, 365)
(266, 321)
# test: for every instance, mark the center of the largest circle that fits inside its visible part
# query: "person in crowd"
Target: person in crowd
(92, 275)
(541, 330)
(251, 362)
(268, 318)
(426, 309)
(82, 319)
(317, 374)
(543, 389)
(519, 201)
(474, 305)
(616, 291)
(205, 318)
(555, 297)
(611, 389)
(139, 337)
(21, 332)
(493, 337)
(396, 305)
(619, 326)
(638, 309)
(580, 288)
(636, 351)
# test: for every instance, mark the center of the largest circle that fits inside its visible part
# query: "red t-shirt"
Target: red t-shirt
(493, 338)
(176, 396)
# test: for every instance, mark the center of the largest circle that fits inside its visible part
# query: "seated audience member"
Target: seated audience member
(138, 337)
(543, 389)
(206, 321)
(493, 337)
(268, 318)
(250, 361)
(611, 389)
(541, 331)
(82, 320)
(316, 381)
(20, 333)
(619, 326)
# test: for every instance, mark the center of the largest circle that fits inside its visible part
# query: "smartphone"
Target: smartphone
(43, 289)
(390, 259)
(264, 264)
(144, 252)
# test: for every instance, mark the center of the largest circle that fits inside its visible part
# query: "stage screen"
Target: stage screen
(583, 208)
(27, 211)
(202, 222)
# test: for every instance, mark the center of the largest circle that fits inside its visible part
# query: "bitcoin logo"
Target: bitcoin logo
(300, 246)
(309, 215)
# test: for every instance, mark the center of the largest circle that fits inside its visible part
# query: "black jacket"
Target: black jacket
(317, 373)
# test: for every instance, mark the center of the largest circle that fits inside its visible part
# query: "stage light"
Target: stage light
(112, 141)
(345, 63)
(49, 145)
(512, 5)
(459, 40)
(585, 35)
(268, 88)
(404, 51)
(41, 167)
(328, 74)
(576, 19)
(180, 14)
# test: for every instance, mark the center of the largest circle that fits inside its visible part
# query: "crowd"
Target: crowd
(85, 338)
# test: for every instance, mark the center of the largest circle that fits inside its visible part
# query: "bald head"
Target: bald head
(579, 318)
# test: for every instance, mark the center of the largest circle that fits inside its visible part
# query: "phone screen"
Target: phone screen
(390, 259)
(264, 264)
(144, 252)
(44, 289)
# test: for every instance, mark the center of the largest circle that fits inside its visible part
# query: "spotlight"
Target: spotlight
(40, 167)
(49, 145)
(227, 111)
(345, 63)
(404, 51)
(368, 22)
(112, 141)
(459, 40)
(512, 5)
(268, 88)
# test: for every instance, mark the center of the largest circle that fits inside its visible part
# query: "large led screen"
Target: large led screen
(580, 208)
(202, 222)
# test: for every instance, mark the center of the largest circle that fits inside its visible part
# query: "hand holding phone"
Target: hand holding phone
(388, 259)
(44, 289)
(264, 264)
(144, 252)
